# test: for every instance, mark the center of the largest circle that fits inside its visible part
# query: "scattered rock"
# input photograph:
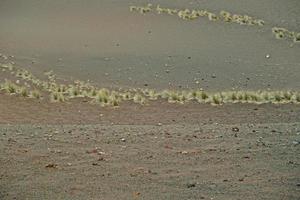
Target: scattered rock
(51, 165)
(136, 194)
(101, 159)
(235, 129)
(191, 185)
(95, 164)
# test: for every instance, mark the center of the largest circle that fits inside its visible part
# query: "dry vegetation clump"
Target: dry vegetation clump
(106, 97)
(141, 9)
(57, 97)
(10, 87)
(200, 96)
(35, 94)
(283, 33)
(138, 98)
(74, 91)
(296, 98)
(7, 66)
(24, 91)
(217, 99)
(126, 96)
(102, 97)
(297, 37)
(151, 94)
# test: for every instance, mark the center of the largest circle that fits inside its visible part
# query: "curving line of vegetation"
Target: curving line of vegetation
(32, 87)
(225, 16)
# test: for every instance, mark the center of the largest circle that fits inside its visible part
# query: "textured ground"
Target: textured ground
(160, 151)
(150, 162)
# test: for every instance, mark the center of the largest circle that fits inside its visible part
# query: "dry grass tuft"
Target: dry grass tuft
(35, 94)
(10, 87)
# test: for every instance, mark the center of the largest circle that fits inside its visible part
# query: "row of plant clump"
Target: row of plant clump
(27, 85)
(283, 33)
(225, 16)
(193, 14)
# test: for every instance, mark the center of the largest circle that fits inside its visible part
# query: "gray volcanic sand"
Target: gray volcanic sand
(105, 43)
